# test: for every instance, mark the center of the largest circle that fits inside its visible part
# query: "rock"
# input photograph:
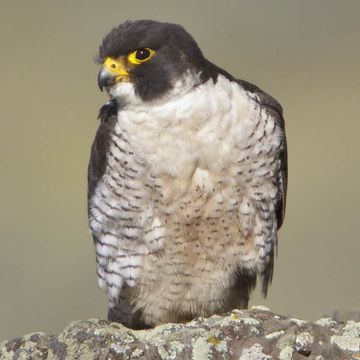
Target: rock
(255, 334)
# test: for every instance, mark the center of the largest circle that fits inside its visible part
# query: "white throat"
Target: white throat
(125, 93)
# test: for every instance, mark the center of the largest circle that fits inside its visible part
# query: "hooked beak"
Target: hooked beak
(111, 72)
(105, 78)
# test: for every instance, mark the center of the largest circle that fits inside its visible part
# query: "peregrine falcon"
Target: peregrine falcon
(186, 181)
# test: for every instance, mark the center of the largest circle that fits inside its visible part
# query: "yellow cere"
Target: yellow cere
(134, 58)
(115, 66)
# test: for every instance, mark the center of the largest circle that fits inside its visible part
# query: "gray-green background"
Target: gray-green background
(305, 53)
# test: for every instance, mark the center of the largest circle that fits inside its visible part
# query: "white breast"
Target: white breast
(199, 128)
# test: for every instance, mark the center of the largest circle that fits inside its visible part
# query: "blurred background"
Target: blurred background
(305, 53)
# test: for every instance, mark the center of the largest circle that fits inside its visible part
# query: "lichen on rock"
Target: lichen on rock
(256, 334)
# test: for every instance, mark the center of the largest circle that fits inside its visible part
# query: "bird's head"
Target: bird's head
(146, 60)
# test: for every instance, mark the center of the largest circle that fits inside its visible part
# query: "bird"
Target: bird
(187, 179)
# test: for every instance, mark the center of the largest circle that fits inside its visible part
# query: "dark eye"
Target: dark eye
(142, 54)
(139, 56)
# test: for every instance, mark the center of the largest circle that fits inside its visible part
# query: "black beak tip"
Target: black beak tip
(104, 79)
(101, 82)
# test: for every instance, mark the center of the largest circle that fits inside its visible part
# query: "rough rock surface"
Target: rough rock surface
(255, 334)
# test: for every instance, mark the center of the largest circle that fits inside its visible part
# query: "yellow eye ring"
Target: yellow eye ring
(141, 55)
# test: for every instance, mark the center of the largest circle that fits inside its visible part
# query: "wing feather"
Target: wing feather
(274, 109)
(100, 146)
